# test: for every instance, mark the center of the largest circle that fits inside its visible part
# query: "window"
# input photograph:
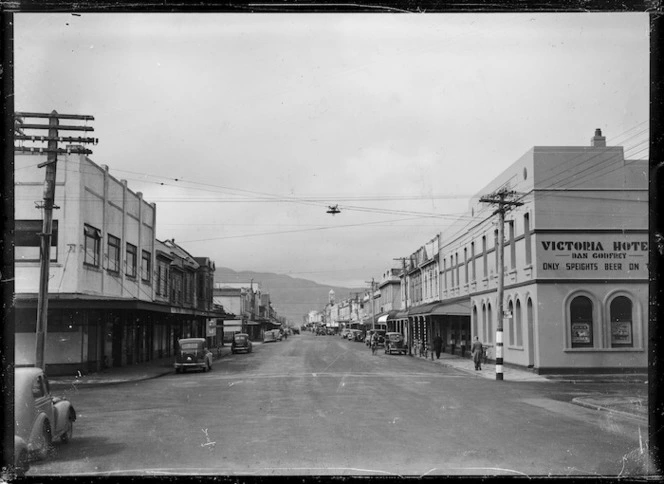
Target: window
(495, 238)
(511, 340)
(485, 328)
(620, 310)
(512, 246)
(146, 263)
(27, 240)
(489, 324)
(131, 262)
(475, 328)
(465, 264)
(484, 256)
(526, 235)
(445, 274)
(458, 270)
(473, 275)
(518, 324)
(113, 254)
(581, 320)
(92, 245)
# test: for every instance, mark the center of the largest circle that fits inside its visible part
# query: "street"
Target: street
(321, 405)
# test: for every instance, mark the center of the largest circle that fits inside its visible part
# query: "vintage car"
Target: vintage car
(192, 353)
(394, 343)
(240, 343)
(40, 417)
(355, 335)
(344, 333)
(21, 457)
(381, 337)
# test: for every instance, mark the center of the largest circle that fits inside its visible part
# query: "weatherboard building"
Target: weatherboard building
(575, 265)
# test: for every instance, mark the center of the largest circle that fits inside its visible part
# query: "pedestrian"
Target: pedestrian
(476, 351)
(437, 345)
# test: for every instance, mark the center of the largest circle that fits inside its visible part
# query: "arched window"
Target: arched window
(581, 320)
(621, 322)
(510, 309)
(518, 324)
(475, 333)
(485, 328)
(489, 322)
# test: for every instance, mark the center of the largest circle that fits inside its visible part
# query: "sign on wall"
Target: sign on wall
(621, 333)
(602, 256)
(211, 327)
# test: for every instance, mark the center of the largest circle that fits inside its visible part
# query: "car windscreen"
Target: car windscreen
(240, 339)
(394, 337)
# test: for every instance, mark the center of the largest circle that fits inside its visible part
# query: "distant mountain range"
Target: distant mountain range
(291, 297)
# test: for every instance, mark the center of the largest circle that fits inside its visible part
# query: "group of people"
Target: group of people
(476, 350)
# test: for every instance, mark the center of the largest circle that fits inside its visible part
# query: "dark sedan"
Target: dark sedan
(394, 343)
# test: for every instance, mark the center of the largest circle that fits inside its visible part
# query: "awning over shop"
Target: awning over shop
(396, 315)
(461, 308)
(422, 310)
(382, 319)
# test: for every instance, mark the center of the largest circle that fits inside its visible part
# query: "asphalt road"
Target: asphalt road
(320, 405)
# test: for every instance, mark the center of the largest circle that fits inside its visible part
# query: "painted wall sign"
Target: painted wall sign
(601, 256)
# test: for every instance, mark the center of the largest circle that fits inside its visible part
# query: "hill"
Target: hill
(291, 297)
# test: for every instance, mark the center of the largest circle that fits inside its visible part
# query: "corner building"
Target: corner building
(575, 262)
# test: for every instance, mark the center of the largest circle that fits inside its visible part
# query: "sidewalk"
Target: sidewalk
(623, 406)
(124, 374)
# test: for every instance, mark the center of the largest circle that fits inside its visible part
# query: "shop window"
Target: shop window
(620, 311)
(92, 245)
(132, 260)
(113, 254)
(581, 320)
(27, 241)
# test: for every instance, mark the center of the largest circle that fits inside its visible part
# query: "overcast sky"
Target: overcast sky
(243, 128)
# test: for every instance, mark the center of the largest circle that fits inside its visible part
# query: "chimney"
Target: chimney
(598, 141)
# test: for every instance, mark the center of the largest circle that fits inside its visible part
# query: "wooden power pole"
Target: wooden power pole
(48, 205)
(502, 198)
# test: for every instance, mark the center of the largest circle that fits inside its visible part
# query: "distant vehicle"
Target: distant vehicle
(271, 335)
(394, 343)
(355, 335)
(296, 331)
(39, 417)
(381, 337)
(241, 342)
(192, 353)
(344, 333)
(330, 331)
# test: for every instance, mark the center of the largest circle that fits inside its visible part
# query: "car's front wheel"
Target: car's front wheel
(65, 438)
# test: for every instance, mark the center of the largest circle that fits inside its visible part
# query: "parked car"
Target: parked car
(344, 333)
(40, 417)
(21, 457)
(241, 342)
(394, 343)
(355, 335)
(192, 353)
(330, 331)
(381, 336)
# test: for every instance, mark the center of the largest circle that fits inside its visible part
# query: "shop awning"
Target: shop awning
(396, 315)
(461, 308)
(382, 319)
(422, 309)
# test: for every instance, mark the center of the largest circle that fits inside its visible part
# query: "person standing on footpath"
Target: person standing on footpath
(476, 351)
(437, 345)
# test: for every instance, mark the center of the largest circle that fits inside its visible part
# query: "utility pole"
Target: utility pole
(371, 298)
(405, 302)
(48, 204)
(502, 198)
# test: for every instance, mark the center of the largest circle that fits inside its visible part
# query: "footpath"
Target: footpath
(623, 405)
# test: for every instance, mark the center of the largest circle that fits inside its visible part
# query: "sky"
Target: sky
(244, 128)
